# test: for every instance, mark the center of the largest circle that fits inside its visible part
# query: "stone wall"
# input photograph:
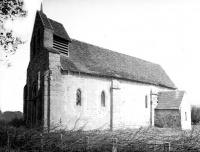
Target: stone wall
(37, 72)
(56, 88)
(168, 118)
(36, 75)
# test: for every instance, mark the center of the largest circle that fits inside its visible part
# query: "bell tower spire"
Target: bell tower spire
(41, 8)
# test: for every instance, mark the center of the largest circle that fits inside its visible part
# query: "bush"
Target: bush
(2, 122)
(16, 122)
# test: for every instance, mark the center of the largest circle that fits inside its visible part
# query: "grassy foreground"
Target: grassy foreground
(138, 140)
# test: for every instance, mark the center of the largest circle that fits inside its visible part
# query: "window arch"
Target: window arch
(103, 103)
(78, 97)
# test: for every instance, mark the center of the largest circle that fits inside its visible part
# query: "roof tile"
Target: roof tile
(59, 30)
(91, 59)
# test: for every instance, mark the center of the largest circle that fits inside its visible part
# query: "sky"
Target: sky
(166, 32)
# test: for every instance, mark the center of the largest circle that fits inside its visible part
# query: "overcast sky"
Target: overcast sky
(166, 32)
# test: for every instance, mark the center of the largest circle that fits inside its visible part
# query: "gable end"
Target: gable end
(36, 40)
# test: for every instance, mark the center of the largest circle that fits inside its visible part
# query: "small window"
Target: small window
(146, 101)
(103, 104)
(185, 116)
(78, 97)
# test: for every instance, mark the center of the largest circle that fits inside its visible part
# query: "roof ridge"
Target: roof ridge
(44, 16)
(54, 21)
(41, 17)
(49, 22)
(126, 55)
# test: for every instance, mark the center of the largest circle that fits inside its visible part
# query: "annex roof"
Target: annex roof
(170, 99)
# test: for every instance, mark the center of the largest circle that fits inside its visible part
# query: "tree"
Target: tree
(10, 10)
(195, 115)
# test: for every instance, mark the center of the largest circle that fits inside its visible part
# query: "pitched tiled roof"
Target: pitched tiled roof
(58, 28)
(170, 99)
(91, 59)
(45, 20)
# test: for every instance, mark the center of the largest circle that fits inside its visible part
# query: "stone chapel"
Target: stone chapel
(78, 84)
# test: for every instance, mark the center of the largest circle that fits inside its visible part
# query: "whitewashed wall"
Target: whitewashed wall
(185, 109)
(128, 102)
(90, 112)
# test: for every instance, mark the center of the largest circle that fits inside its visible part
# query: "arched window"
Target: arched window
(78, 97)
(146, 101)
(185, 116)
(103, 104)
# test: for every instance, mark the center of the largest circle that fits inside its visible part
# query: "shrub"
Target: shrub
(140, 140)
(16, 122)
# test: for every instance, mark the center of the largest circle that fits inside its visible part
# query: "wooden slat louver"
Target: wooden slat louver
(61, 46)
